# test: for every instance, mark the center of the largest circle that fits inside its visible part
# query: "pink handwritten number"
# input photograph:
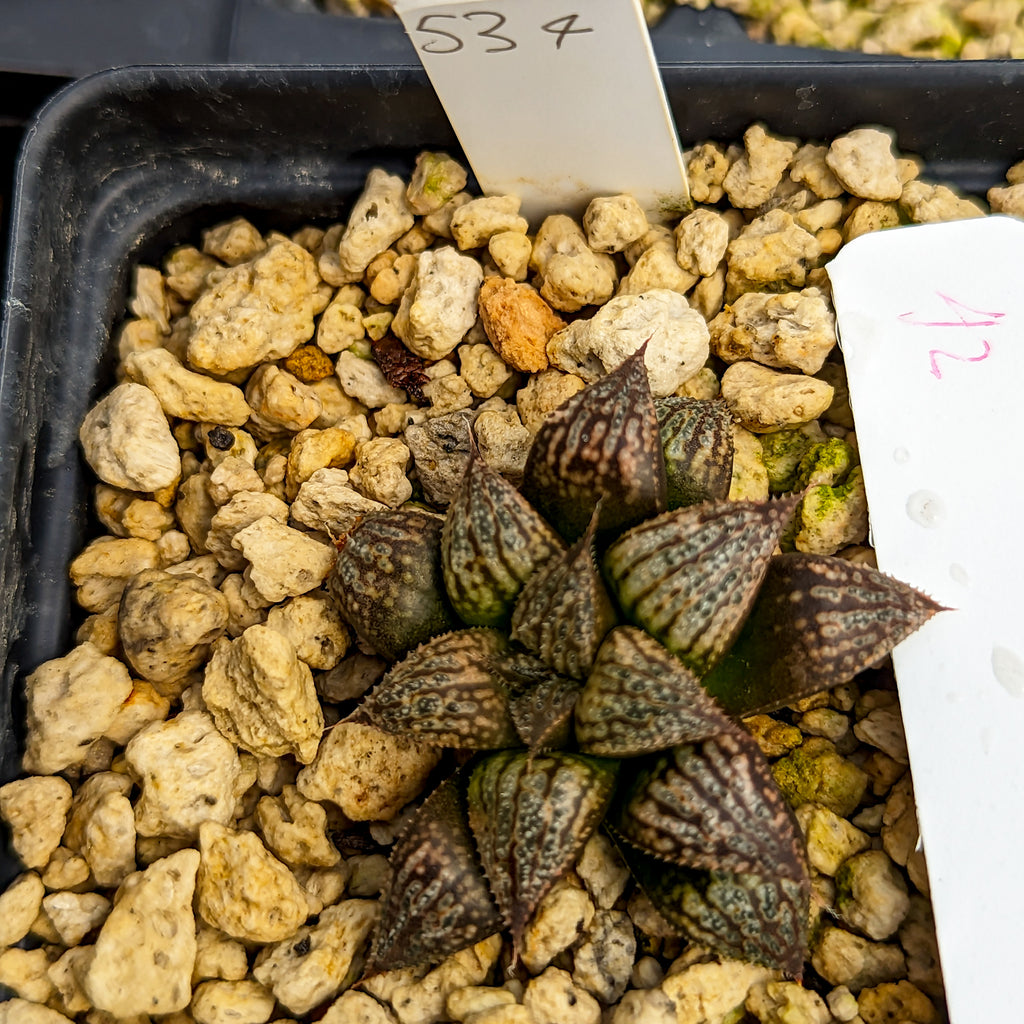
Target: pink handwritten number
(990, 319)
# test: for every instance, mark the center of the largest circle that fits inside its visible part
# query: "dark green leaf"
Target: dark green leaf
(690, 577)
(388, 584)
(639, 699)
(491, 543)
(696, 438)
(531, 816)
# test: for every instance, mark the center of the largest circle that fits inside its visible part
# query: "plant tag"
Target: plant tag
(555, 101)
(931, 322)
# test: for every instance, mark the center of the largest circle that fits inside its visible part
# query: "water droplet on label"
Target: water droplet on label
(1008, 668)
(900, 455)
(959, 575)
(926, 508)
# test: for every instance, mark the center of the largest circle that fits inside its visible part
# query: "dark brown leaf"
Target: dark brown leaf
(449, 691)
(712, 805)
(564, 611)
(437, 900)
(602, 444)
(817, 622)
(756, 917)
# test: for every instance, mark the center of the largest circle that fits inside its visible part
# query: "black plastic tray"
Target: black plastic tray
(70, 38)
(121, 166)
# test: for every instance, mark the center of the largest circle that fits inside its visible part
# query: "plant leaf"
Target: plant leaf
(449, 691)
(602, 444)
(543, 714)
(564, 611)
(696, 438)
(712, 805)
(690, 577)
(388, 584)
(757, 917)
(639, 699)
(817, 622)
(531, 816)
(491, 543)
(437, 900)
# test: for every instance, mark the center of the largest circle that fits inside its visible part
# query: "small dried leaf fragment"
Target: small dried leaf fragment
(817, 622)
(402, 369)
(603, 444)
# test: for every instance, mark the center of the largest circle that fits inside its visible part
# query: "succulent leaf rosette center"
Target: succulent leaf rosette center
(593, 641)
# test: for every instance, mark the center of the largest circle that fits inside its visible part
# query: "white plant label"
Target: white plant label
(931, 323)
(556, 101)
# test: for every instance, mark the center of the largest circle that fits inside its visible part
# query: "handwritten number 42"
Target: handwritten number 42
(447, 41)
(966, 316)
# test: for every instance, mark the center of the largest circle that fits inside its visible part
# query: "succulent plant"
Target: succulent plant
(593, 640)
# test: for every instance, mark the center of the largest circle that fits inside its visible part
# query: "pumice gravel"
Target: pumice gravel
(216, 778)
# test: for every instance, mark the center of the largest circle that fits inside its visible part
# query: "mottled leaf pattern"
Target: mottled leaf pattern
(602, 444)
(639, 699)
(564, 611)
(757, 917)
(689, 577)
(491, 543)
(711, 805)
(719, 626)
(437, 900)
(817, 622)
(696, 439)
(543, 714)
(388, 584)
(531, 816)
(449, 691)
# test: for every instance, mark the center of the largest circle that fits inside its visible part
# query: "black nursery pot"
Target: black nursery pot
(121, 166)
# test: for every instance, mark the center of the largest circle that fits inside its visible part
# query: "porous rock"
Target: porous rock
(71, 702)
(676, 337)
(320, 960)
(147, 946)
(369, 774)
(262, 696)
(127, 441)
(244, 890)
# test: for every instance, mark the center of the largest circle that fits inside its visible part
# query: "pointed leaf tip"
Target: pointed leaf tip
(603, 443)
(437, 900)
(817, 622)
